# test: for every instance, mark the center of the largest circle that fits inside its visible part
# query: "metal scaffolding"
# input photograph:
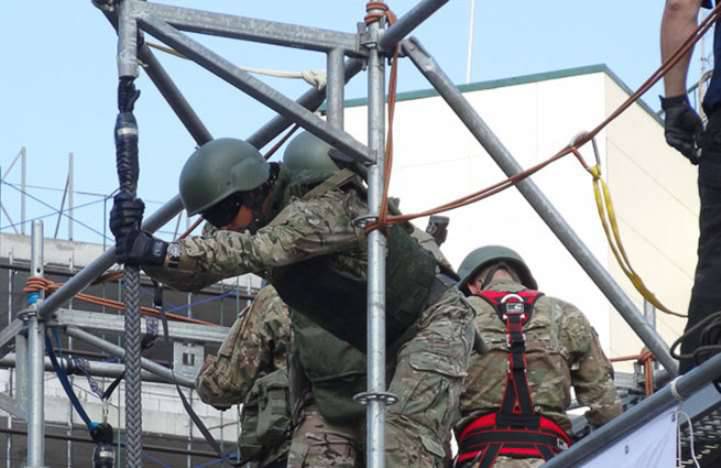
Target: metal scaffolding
(347, 54)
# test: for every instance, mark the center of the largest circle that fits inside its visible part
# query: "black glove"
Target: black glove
(140, 248)
(133, 246)
(126, 215)
(683, 126)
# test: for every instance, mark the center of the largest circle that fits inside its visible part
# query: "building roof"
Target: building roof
(517, 80)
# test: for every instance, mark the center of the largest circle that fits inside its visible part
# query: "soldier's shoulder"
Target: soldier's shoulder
(565, 314)
(270, 298)
(568, 310)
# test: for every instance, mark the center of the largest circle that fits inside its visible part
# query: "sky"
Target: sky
(57, 89)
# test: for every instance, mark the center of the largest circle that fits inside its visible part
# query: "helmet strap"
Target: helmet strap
(265, 201)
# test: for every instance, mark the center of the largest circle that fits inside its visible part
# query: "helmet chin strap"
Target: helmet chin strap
(266, 209)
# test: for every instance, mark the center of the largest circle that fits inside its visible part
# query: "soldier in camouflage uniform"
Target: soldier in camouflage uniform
(561, 351)
(256, 346)
(302, 238)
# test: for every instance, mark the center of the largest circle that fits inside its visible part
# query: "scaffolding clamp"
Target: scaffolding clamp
(31, 310)
(366, 397)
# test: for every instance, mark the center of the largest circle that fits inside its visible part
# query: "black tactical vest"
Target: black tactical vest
(337, 300)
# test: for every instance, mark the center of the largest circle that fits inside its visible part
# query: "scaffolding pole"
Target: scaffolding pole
(36, 354)
(427, 65)
(94, 368)
(147, 364)
(71, 194)
(375, 411)
(23, 187)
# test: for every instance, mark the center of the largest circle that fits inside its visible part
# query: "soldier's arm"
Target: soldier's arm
(248, 352)
(591, 371)
(303, 229)
(680, 18)
(184, 280)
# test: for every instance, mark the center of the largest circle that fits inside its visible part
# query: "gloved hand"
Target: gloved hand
(133, 246)
(126, 214)
(683, 126)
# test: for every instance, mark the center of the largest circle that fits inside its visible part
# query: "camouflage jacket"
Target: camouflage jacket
(256, 345)
(303, 229)
(562, 350)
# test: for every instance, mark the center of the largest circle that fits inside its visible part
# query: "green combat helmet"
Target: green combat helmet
(307, 158)
(482, 256)
(219, 169)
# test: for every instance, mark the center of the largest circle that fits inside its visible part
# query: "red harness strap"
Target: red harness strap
(516, 430)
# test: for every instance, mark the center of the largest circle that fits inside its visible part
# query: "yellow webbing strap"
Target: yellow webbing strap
(607, 214)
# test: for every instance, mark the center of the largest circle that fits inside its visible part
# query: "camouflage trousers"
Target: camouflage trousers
(508, 462)
(428, 382)
(318, 443)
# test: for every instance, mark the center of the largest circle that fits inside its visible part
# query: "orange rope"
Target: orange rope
(572, 148)
(392, 99)
(645, 358)
(37, 284)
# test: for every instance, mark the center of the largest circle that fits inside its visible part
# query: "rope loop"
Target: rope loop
(374, 15)
(36, 284)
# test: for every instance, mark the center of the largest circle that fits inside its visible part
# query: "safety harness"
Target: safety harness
(516, 430)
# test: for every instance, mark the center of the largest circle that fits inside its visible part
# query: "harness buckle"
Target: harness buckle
(516, 307)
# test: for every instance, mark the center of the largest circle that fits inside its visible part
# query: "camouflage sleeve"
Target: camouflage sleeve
(302, 230)
(185, 280)
(591, 371)
(256, 345)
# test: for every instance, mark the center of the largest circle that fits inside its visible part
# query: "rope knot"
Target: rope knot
(377, 11)
(595, 171)
(36, 284)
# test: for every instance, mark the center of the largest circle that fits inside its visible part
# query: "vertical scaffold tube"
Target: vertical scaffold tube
(375, 411)
(36, 359)
(335, 88)
(126, 148)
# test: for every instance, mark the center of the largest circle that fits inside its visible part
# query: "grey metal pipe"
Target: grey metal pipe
(375, 411)
(23, 188)
(168, 90)
(311, 99)
(115, 350)
(251, 29)
(530, 191)
(649, 313)
(409, 21)
(71, 194)
(21, 349)
(95, 368)
(255, 88)
(634, 418)
(336, 88)
(173, 96)
(36, 354)
(127, 40)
